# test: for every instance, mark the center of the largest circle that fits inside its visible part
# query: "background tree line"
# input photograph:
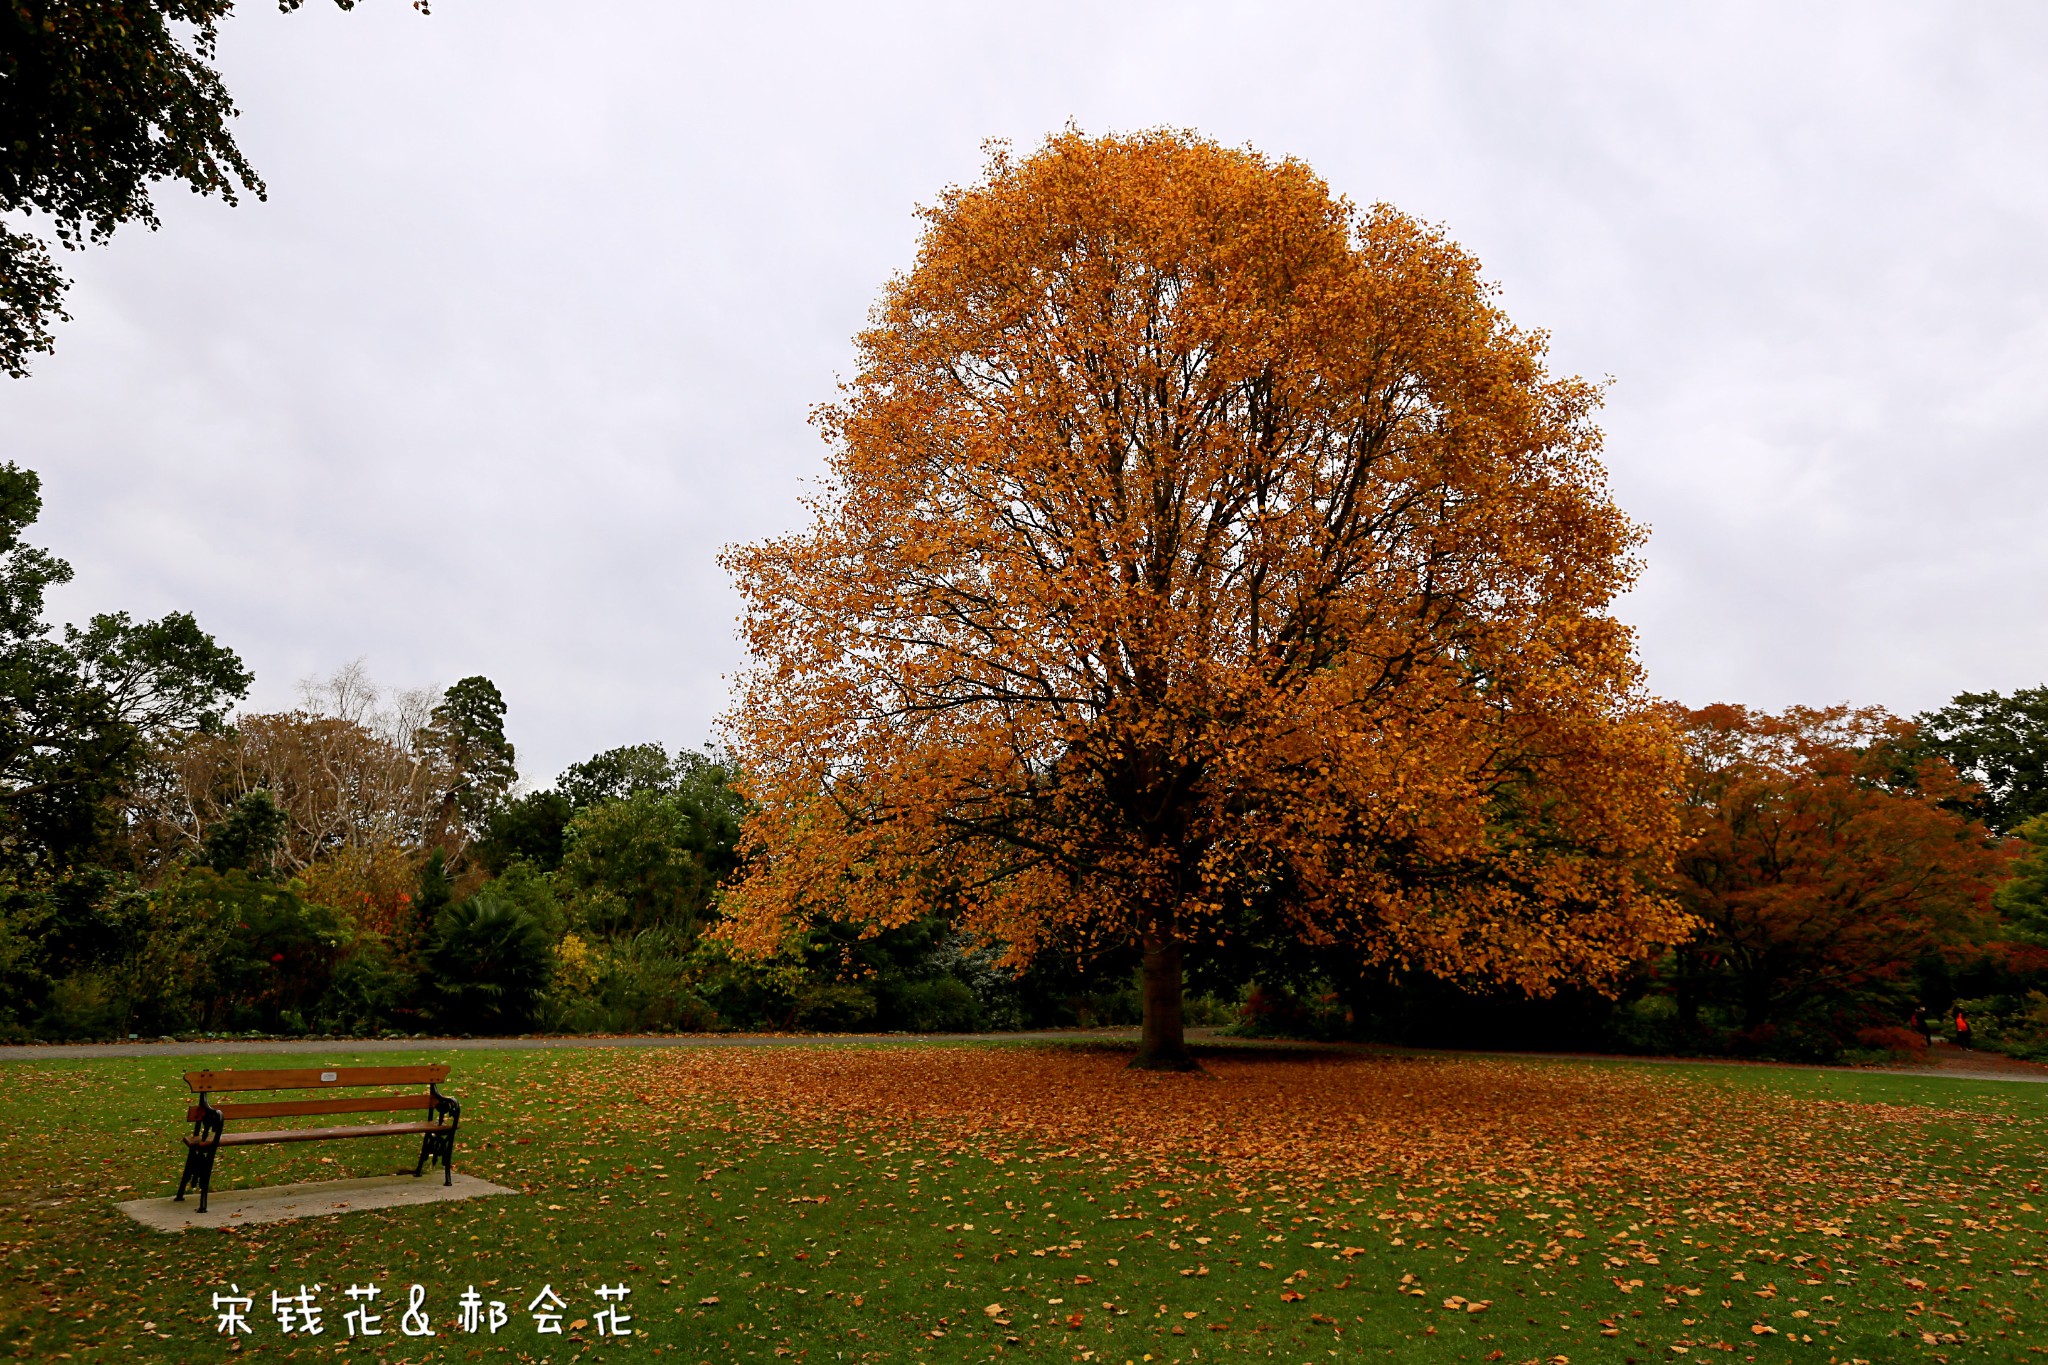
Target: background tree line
(366, 862)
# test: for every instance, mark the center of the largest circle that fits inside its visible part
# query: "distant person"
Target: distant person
(1920, 1026)
(1962, 1029)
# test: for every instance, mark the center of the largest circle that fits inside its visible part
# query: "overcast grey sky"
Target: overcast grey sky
(543, 292)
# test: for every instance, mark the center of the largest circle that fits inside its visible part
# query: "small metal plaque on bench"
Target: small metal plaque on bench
(329, 1076)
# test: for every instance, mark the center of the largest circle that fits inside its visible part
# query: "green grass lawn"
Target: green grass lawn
(744, 1238)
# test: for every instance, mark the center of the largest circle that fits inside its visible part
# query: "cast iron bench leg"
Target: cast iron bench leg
(198, 1174)
(205, 1155)
(438, 1147)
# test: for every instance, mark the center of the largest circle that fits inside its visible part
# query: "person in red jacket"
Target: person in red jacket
(1962, 1029)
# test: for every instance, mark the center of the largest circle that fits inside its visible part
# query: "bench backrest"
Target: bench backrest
(316, 1078)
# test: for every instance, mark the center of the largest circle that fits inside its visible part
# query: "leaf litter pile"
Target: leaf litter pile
(1653, 1188)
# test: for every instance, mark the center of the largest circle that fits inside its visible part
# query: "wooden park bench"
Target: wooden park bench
(209, 1121)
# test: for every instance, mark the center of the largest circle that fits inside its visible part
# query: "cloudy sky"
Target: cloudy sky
(542, 293)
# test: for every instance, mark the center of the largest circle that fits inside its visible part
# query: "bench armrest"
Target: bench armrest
(210, 1121)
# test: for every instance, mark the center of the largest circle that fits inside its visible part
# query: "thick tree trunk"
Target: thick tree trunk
(1163, 1044)
(1688, 988)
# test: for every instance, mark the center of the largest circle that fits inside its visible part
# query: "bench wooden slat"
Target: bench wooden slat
(341, 1104)
(315, 1078)
(314, 1134)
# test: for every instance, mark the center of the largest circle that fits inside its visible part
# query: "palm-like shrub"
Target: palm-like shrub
(488, 964)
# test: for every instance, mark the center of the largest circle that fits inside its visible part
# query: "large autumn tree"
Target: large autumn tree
(1198, 545)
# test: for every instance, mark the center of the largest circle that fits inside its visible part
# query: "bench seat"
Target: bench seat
(313, 1134)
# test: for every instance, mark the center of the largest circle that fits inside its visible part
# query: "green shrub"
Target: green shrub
(1281, 1012)
(1647, 1024)
(85, 1005)
(278, 956)
(488, 964)
(229, 951)
(368, 991)
(637, 984)
(835, 1007)
(999, 1003)
(1206, 1011)
(694, 1015)
(174, 976)
(943, 1004)
(1827, 1028)
(1104, 1009)
(745, 993)
(24, 986)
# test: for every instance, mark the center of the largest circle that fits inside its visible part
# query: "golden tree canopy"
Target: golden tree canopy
(1196, 542)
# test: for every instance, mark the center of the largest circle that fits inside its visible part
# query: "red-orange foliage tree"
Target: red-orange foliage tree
(1195, 540)
(1825, 859)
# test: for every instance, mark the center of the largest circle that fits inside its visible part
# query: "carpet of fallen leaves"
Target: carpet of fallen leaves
(1459, 1132)
(885, 1201)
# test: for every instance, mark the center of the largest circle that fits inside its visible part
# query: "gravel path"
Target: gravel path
(43, 1052)
(1944, 1062)
(1943, 1059)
